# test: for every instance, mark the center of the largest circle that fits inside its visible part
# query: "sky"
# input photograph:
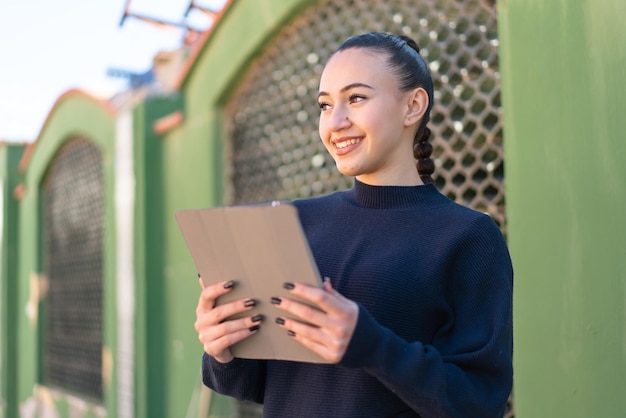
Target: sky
(50, 46)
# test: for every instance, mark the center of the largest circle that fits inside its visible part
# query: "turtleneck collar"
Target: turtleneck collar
(395, 197)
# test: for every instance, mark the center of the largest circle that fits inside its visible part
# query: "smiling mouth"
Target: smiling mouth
(347, 142)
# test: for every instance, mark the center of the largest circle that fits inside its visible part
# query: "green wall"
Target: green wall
(155, 387)
(192, 173)
(563, 89)
(74, 114)
(10, 155)
(180, 169)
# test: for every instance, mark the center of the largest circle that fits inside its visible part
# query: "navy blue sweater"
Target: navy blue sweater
(433, 281)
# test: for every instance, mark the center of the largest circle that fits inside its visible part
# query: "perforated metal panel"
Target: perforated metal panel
(275, 151)
(72, 210)
(275, 148)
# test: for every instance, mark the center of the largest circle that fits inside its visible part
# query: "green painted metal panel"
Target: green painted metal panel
(237, 38)
(563, 89)
(193, 169)
(10, 155)
(74, 114)
(155, 387)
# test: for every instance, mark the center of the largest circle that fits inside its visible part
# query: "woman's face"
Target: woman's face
(364, 121)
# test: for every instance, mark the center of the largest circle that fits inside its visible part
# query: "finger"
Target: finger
(322, 336)
(217, 340)
(217, 314)
(304, 331)
(301, 310)
(225, 328)
(202, 285)
(325, 345)
(326, 298)
(338, 317)
(217, 347)
(211, 293)
(328, 287)
(208, 332)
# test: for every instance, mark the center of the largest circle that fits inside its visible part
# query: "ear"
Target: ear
(417, 103)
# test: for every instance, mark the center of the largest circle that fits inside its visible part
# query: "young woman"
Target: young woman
(416, 317)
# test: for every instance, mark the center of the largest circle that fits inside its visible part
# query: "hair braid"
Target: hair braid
(422, 150)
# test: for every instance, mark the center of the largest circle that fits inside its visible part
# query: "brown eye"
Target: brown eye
(324, 106)
(356, 98)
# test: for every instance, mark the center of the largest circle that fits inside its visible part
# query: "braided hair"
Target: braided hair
(412, 72)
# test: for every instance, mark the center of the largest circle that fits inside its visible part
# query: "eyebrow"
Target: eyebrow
(346, 88)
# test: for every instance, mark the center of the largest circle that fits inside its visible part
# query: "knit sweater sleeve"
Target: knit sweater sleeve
(240, 378)
(466, 371)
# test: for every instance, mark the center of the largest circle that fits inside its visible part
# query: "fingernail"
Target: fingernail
(326, 279)
(254, 328)
(229, 284)
(249, 303)
(257, 318)
(280, 321)
(291, 333)
(276, 301)
(288, 286)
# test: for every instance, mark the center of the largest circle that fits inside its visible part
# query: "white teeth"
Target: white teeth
(344, 144)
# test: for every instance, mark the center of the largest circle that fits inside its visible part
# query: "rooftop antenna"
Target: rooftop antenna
(160, 23)
(193, 5)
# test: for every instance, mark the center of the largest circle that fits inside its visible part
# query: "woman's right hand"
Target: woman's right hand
(215, 331)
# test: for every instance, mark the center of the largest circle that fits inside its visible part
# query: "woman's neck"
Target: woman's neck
(400, 178)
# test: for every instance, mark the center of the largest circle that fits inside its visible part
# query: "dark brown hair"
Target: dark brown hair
(412, 72)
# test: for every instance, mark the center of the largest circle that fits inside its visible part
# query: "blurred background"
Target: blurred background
(113, 115)
(50, 47)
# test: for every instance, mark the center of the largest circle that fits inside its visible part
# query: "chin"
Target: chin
(349, 172)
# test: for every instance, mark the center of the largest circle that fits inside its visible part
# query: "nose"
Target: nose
(339, 119)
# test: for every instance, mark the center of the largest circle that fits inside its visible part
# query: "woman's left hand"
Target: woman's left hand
(327, 332)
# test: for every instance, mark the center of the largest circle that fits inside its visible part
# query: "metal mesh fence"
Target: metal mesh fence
(275, 151)
(72, 210)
